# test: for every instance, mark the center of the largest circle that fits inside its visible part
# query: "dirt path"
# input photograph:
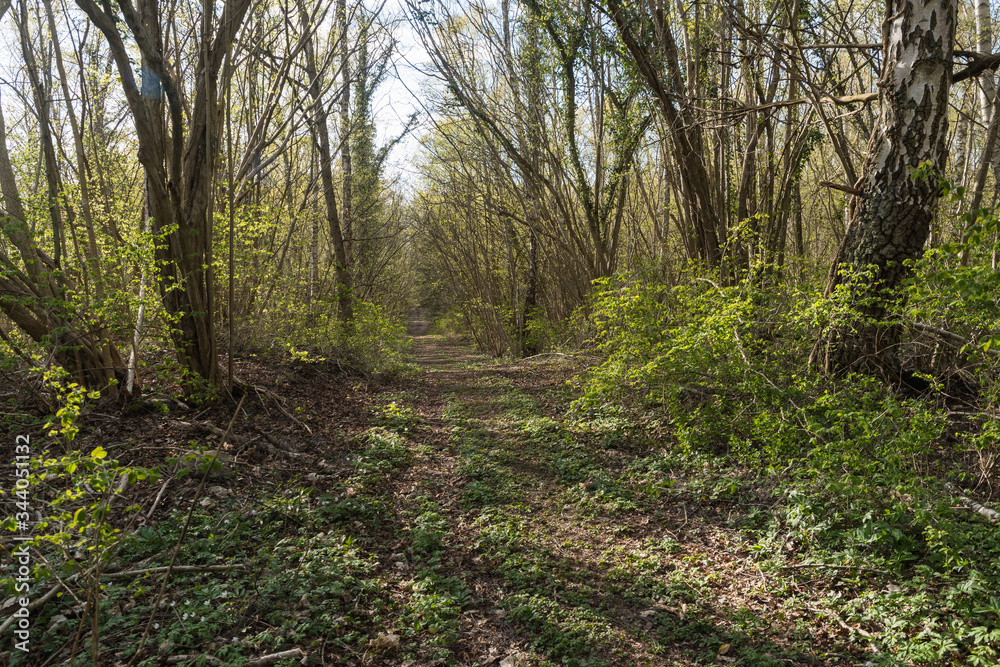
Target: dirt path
(566, 541)
(464, 514)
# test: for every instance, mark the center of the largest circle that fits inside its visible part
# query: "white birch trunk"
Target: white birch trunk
(984, 44)
(892, 218)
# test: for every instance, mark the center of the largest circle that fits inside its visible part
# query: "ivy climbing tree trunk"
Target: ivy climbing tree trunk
(892, 214)
(347, 212)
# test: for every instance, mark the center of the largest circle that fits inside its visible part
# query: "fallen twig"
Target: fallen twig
(178, 659)
(52, 592)
(156, 501)
(951, 336)
(273, 445)
(176, 568)
(561, 354)
(39, 602)
(281, 408)
(830, 613)
(802, 566)
(213, 429)
(275, 657)
(990, 514)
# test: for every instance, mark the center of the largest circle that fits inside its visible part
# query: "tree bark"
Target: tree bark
(892, 218)
(321, 136)
(177, 160)
(984, 44)
(346, 198)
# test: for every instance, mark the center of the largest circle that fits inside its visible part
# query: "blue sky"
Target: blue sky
(396, 99)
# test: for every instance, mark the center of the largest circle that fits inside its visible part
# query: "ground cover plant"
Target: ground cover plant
(697, 497)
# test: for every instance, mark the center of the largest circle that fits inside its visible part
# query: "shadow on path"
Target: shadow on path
(569, 561)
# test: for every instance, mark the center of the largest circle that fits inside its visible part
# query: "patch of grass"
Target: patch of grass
(575, 636)
(397, 417)
(386, 452)
(431, 613)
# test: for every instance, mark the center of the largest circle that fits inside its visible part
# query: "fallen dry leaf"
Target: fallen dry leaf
(385, 641)
(512, 660)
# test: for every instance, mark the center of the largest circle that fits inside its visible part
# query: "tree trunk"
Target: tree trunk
(984, 44)
(93, 252)
(530, 144)
(314, 237)
(178, 162)
(893, 215)
(321, 135)
(987, 81)
(346, 198)
(685, 134)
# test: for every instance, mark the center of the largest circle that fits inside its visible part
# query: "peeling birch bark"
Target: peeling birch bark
(891, 216)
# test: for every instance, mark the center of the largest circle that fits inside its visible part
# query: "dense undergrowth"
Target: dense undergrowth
(852, 473)
(77, 502)
(375, 341)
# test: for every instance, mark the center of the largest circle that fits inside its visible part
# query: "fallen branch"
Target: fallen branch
(560, 354)
(803, 566)
(176, 568)
(546, 354)
(277, 403)
(52, 592)
(275, 657)
(213, 429)
(37, 604)
(831, 614)
(178, 659)
(156, 501)
(274, 446)
(949, 335)
(990, 514)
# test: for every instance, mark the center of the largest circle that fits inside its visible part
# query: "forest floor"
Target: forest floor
(453, 515)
